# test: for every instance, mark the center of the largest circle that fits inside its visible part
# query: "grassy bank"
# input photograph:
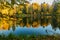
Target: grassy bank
(28, 37)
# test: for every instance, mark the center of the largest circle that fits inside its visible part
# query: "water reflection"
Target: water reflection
(37, 24)
(35, 21)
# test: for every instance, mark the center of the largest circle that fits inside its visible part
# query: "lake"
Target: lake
(44, 25)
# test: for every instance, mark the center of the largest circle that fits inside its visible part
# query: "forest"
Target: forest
(23, 13)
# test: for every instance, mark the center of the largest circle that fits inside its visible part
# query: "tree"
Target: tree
(44, 7)
(13, 2)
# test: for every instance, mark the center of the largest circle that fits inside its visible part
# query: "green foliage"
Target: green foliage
(29, 37)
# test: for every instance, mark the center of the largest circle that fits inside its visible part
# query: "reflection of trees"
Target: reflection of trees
(35, 14)
(13, 25)
(21, 23)
(24, 20)
(55, 16)
(35, 21)
(58, 13)
(54, 22)
(13, 28)
(44, 22)
(27, 21)
(58, 20)
(44, 11)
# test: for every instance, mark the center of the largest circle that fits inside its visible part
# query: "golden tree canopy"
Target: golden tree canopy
(35, 6)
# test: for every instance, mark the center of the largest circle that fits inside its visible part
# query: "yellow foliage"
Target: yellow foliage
(19, 11)
(44, 5)
(35, 24)
(0, 9)
(15, 9)
(21, 6)
(5, 26)
(4, 11)
(27, 7)
(28, 25)
(21, 24)
(45, 24)
(4, 3)
(10, 23)
(58, 11)
(35, 6)
(1, 25)
(11, 12)
(51, 9)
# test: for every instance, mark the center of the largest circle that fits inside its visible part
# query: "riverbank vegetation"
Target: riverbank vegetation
(29, 37)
